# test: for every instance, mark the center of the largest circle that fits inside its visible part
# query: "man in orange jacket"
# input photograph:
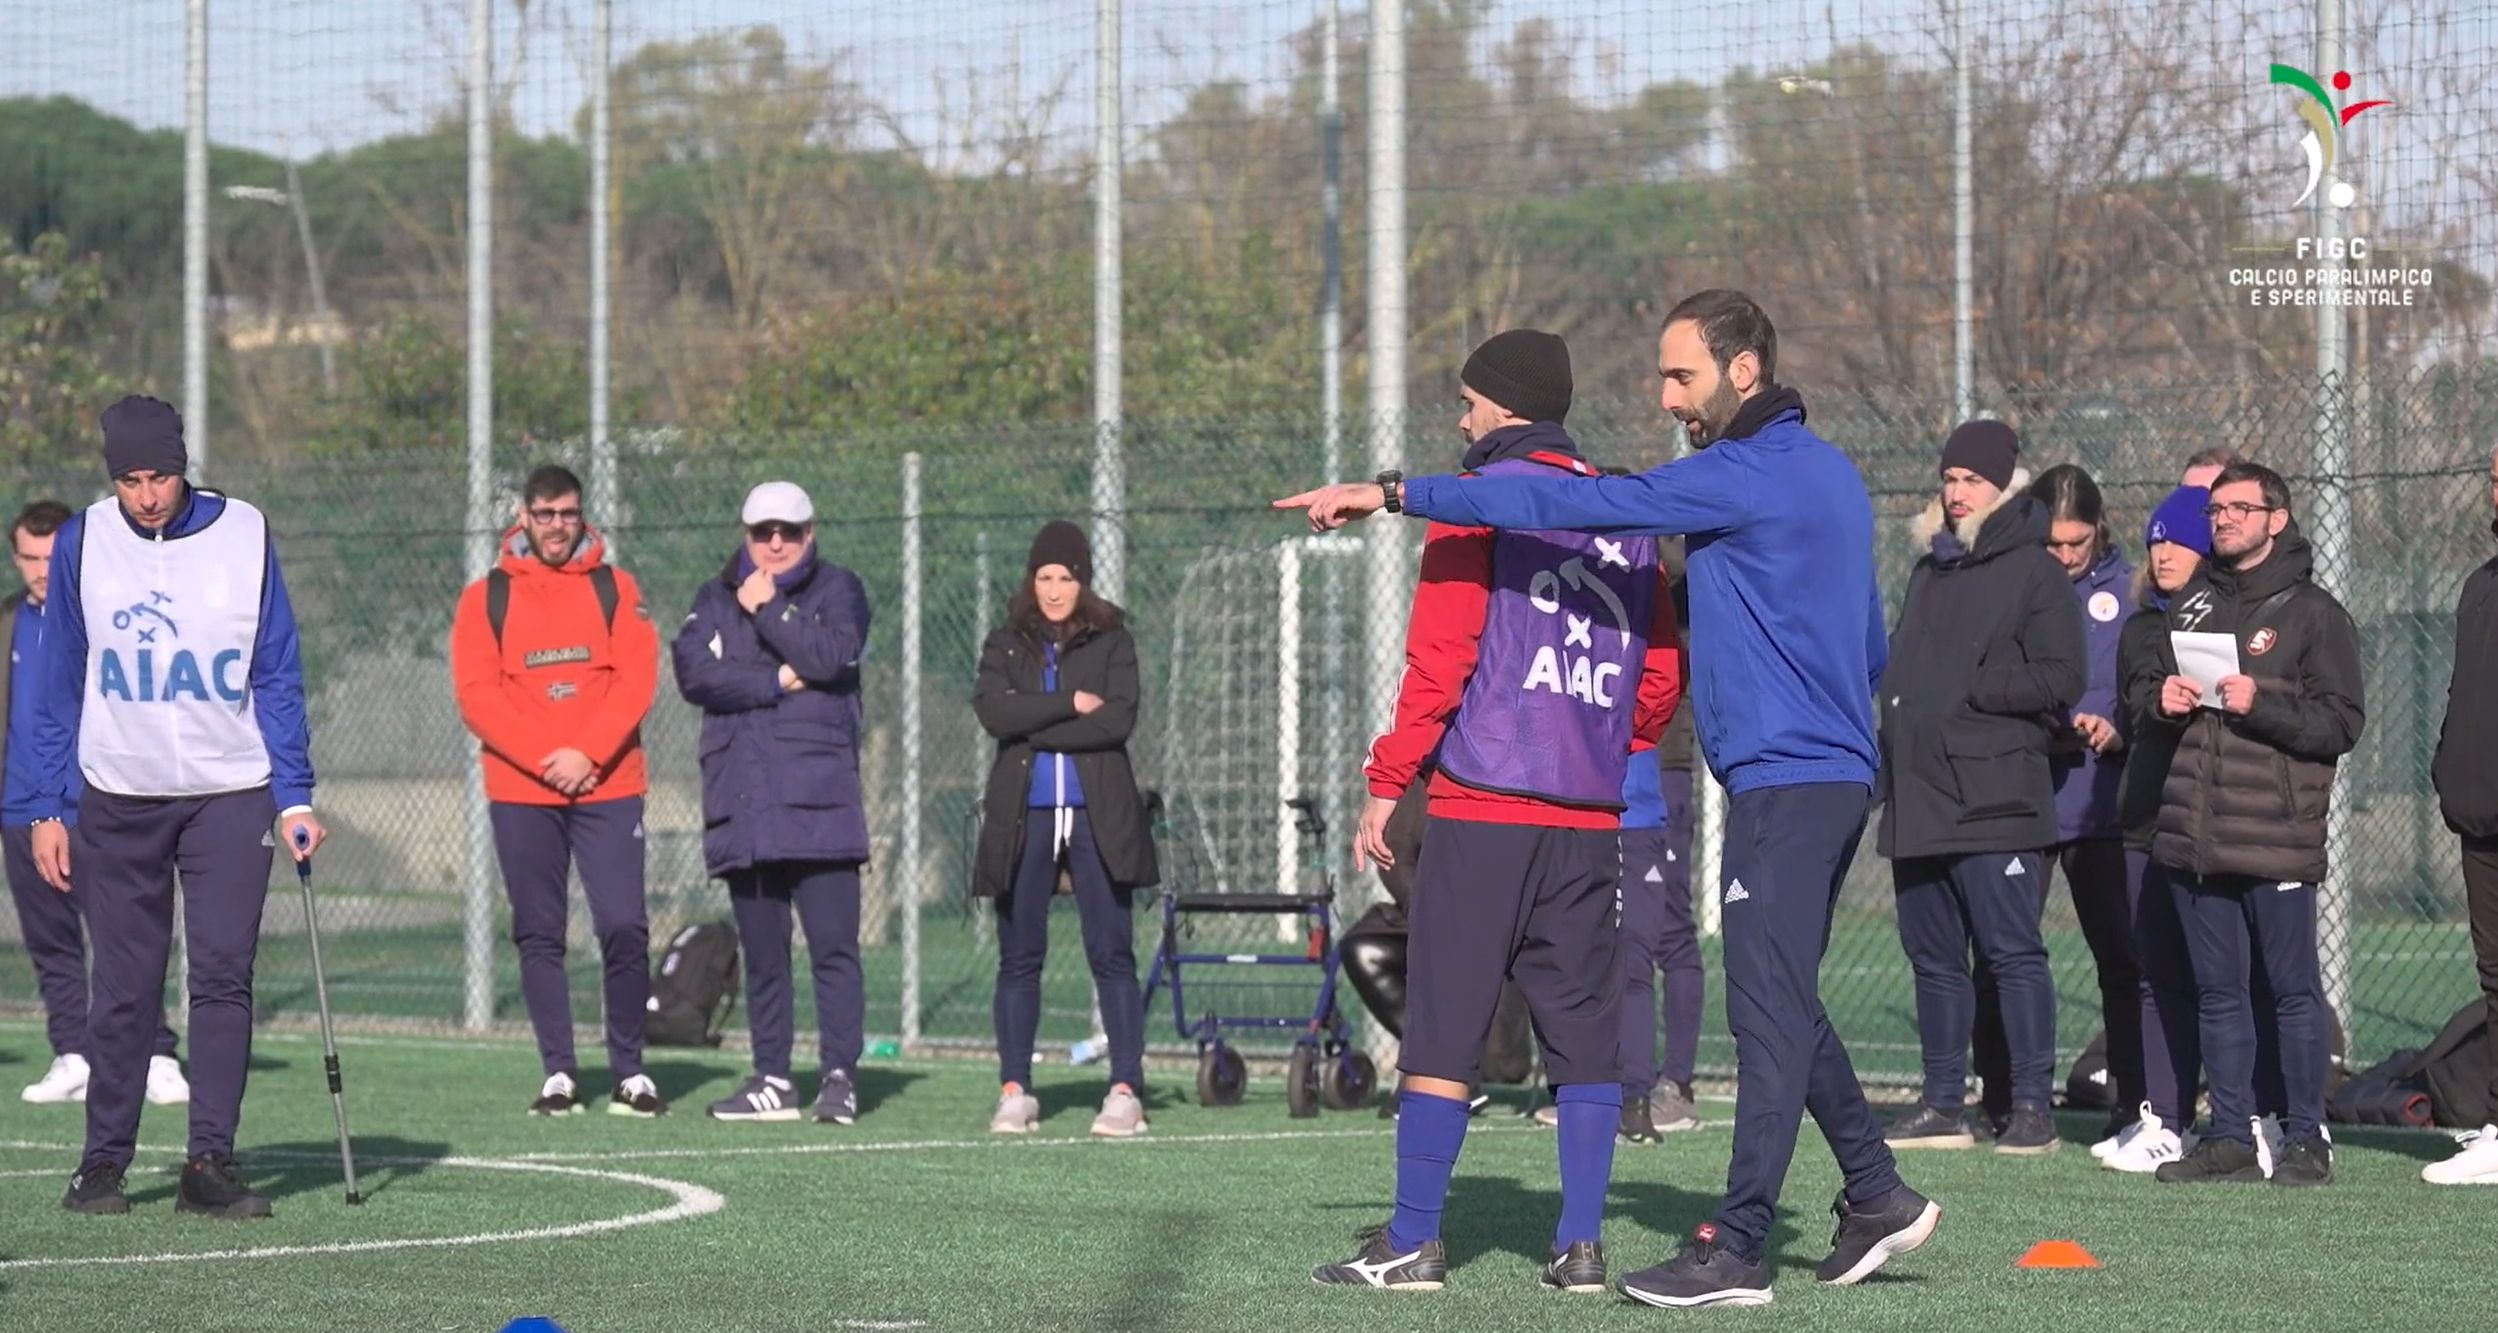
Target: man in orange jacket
(554, 662)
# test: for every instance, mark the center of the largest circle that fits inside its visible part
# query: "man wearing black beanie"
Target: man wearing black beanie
(1986, 662)
(171, 677)
(1533, 663)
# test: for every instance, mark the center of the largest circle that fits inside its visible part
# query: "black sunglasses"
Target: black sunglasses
(763, 533)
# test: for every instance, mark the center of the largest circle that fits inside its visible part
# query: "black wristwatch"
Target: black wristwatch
(1392, 487)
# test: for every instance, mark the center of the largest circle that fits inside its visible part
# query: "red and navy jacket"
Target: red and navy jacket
(1442, 639)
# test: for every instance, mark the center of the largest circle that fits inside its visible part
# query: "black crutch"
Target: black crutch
(329, 1043)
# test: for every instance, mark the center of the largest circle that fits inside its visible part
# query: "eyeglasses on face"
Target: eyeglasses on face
(2239, 510)
(763, 534)
(551, 517)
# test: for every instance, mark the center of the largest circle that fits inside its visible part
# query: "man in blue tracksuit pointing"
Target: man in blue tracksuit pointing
(171, 683)
(1787, 645)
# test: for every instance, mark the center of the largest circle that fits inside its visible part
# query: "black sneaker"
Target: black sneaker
(1927, 1127)
(637, 1096)
(1865, 1241)
(1637, 1126)
(211, 1189)
(1703, 1272)
(560, 1095)
(2305, 1162)
(1580, 1268)
(96, 1192)
(837, 1100)
(761, 1099)
(1379, 1264)
(2028, 1132)
(2214, 1159)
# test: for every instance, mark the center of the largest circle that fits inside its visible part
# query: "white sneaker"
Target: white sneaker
(1548, 1115)
(2151, 1146)
(1122, 1115)
(2114, 1143)
(2269, 1142)
(65, 1081)
(2475, 1164)
(1018, 1112)
(165, 1084)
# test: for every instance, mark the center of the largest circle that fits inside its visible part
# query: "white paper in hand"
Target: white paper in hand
(2206, 659)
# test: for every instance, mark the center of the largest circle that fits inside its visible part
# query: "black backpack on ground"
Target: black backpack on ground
(2387, 1093)
(694, 988)
(2088, 1087)
(2454, 1069)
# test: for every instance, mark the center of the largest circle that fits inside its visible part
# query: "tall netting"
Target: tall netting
(855, 246)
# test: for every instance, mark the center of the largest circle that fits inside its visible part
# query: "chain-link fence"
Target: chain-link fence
(736, 239)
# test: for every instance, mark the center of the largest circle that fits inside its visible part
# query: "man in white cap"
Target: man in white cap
(770, 653)
(553, 663)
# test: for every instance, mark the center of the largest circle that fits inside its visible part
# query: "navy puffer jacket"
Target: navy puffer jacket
(780, 768)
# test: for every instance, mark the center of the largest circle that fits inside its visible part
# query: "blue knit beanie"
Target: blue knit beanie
(2180, 520)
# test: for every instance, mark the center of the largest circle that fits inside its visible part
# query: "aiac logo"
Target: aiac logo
(2324, 126)
(138, 680)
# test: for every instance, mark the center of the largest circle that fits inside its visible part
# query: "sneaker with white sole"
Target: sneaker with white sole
(1122, 1115)
(2475, 1161)
(559, 1095)
(2151, 1145)
(837, 1099)
(2117, 1142)
(763, 1099)
(65, 1081)
(165, 1084)
(1670, 1109)
(637, 1097)
(1548, 1115)
(1018, 1112)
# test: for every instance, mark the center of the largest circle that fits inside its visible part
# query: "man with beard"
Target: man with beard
(1788, 645)
(1533, 660)
(2243, 815)
(553, 664)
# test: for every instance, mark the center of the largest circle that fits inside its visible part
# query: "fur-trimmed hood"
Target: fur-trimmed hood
(1929, 521)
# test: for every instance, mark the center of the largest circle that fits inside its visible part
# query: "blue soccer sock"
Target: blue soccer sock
(1429, 1131)
(1590, 1115)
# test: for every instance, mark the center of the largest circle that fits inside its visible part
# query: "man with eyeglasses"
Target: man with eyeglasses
(2242, 818)
(554, 662)
(770, 653)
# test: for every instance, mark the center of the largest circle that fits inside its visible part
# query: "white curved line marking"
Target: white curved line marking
(2314, 150)
(690, 1201)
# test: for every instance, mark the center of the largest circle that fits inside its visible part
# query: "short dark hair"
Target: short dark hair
(40, 519)
(1730, 324)
(2070, 495)
(549, 481)
(2276, 491)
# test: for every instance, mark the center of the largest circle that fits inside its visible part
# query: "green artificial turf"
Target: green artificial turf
(915, 1218)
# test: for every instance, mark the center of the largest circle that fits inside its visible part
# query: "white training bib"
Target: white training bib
(167, 709)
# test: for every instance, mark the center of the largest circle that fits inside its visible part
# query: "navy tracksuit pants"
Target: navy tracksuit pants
(1657, 936)
(2239, 931)
(825, 895)
(1786, 856)
(1990, 900)
(1053, 838)
(48, 920)
(539, 845)
(124, 855)
(2172, 1045)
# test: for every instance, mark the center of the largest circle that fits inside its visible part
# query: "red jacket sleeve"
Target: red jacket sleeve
(1661, 674)
(1441, 639)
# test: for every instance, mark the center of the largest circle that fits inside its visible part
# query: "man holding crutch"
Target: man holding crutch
(169, 676)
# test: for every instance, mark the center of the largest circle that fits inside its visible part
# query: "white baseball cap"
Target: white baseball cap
(777, 502)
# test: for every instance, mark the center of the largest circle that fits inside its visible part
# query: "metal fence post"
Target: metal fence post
(478, 913)
(910, 872)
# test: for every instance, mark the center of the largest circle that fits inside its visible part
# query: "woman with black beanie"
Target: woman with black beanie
(1059, 690)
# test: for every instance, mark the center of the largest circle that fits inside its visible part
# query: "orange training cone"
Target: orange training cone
(2057, 1254)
